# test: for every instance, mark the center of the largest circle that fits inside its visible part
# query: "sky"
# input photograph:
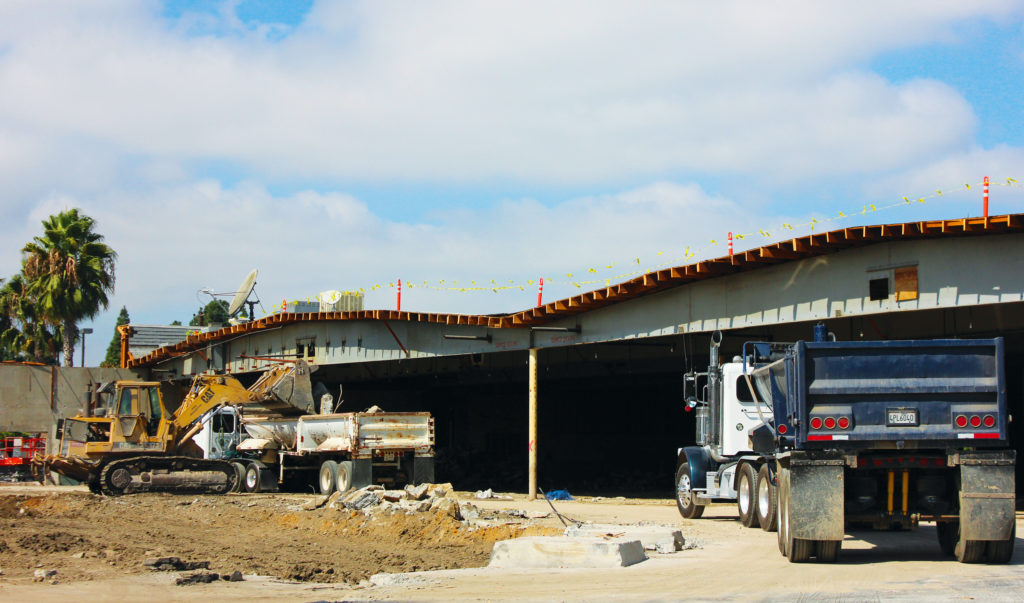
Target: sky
(471, 148)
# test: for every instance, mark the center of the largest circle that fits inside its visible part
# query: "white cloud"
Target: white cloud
(541, 92)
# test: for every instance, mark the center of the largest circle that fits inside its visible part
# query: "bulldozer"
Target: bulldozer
(142, 442)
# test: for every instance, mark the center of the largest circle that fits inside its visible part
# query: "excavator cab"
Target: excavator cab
(138, 410)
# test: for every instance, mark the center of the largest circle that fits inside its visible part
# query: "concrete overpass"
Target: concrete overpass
(609, 361)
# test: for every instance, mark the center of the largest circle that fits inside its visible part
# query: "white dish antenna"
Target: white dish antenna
(242, 296)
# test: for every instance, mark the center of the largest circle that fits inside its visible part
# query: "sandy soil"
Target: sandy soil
(98, 544)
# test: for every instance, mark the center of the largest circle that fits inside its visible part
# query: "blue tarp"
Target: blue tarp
(559, 495)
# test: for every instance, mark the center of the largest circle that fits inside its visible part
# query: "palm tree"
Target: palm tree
(69, 271)
(23, 333)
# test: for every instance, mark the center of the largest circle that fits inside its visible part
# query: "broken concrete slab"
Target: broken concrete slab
(393, 495)
(448, 506)
(554, 552)
(418, 492)
(649, 536)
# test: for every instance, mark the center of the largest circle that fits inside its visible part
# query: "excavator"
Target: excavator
(142, 443)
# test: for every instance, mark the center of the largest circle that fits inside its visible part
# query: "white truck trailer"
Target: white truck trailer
(327, 452)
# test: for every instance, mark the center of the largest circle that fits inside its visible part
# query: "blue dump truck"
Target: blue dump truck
(813, 438)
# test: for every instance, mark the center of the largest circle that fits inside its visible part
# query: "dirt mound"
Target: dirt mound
(90, 537)
(52, 542)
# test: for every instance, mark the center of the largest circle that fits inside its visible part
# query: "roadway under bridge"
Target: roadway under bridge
(609, 406)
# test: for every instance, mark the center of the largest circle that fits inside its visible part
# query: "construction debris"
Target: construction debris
(174, 564)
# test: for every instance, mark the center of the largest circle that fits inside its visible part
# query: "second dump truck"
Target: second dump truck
(811, 438)
(326, 452)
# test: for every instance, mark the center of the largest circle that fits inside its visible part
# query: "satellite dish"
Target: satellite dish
(242, 297)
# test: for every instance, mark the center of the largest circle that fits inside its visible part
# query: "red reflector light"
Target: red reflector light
(830, 423)
(975, 421)
(819, 437)
(843, 423)
(961, 421)
(990, 421)
(986, 436)
(783, 429)
(816, 423)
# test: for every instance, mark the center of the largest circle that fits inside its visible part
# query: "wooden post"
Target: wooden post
(532, 494)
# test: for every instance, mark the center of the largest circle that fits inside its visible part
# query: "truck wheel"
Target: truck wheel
(828, 550)
(800, 550)
(328, 477)
(239, 485)
(253, 476)
(1000, 551)
(970, 551)
(766, 500)
(782, 511)
(947, 532)
(746, 499)
(343, 482)
(686, 499)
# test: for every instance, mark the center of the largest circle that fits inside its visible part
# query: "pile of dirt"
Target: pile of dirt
(87, 537)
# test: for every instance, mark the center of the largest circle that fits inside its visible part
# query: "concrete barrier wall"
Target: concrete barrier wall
(32, 397)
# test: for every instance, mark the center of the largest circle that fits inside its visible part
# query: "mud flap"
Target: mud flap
(987, 495)
(815, 497)
(423, 470)
(362, 472)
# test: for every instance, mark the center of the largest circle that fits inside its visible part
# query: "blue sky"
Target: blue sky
(344, 145)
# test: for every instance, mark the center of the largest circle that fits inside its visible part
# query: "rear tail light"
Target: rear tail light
(975, 421)
(816, 423)
(783, 429)
(961, 421)
(830, 423)
(989, 421)
(843, 423)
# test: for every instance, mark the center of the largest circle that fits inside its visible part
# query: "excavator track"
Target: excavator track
(174, 474)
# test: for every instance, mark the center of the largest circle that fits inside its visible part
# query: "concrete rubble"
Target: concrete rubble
(653, 538)
(559, 552)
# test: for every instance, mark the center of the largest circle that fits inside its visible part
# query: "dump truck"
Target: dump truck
(327, 452)
(142, 442)
(812, 438)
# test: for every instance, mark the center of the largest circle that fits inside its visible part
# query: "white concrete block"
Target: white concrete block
(649, 536)
(555, 551)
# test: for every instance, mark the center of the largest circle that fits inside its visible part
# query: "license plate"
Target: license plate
(901, 416)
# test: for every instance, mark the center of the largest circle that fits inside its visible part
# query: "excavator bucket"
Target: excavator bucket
(286, 389)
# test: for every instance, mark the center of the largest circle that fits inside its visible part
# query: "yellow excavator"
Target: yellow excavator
(142, 443)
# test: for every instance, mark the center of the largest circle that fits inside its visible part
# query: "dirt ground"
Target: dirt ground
(88, 537)
(98, 545)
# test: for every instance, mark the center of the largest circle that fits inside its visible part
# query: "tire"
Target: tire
(239, 485)
(328, 477)
(343, 482)
(800, 550)
(253, 477)
(970, 551)
(1000, 551)
(828, 550)
(746, 495)
(766, 500)
(947, 533)
(685, 498)
(782, 511)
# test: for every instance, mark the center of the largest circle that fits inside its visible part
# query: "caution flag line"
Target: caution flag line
(494, 285)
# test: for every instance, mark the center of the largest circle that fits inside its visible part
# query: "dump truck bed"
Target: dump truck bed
(939, 393)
